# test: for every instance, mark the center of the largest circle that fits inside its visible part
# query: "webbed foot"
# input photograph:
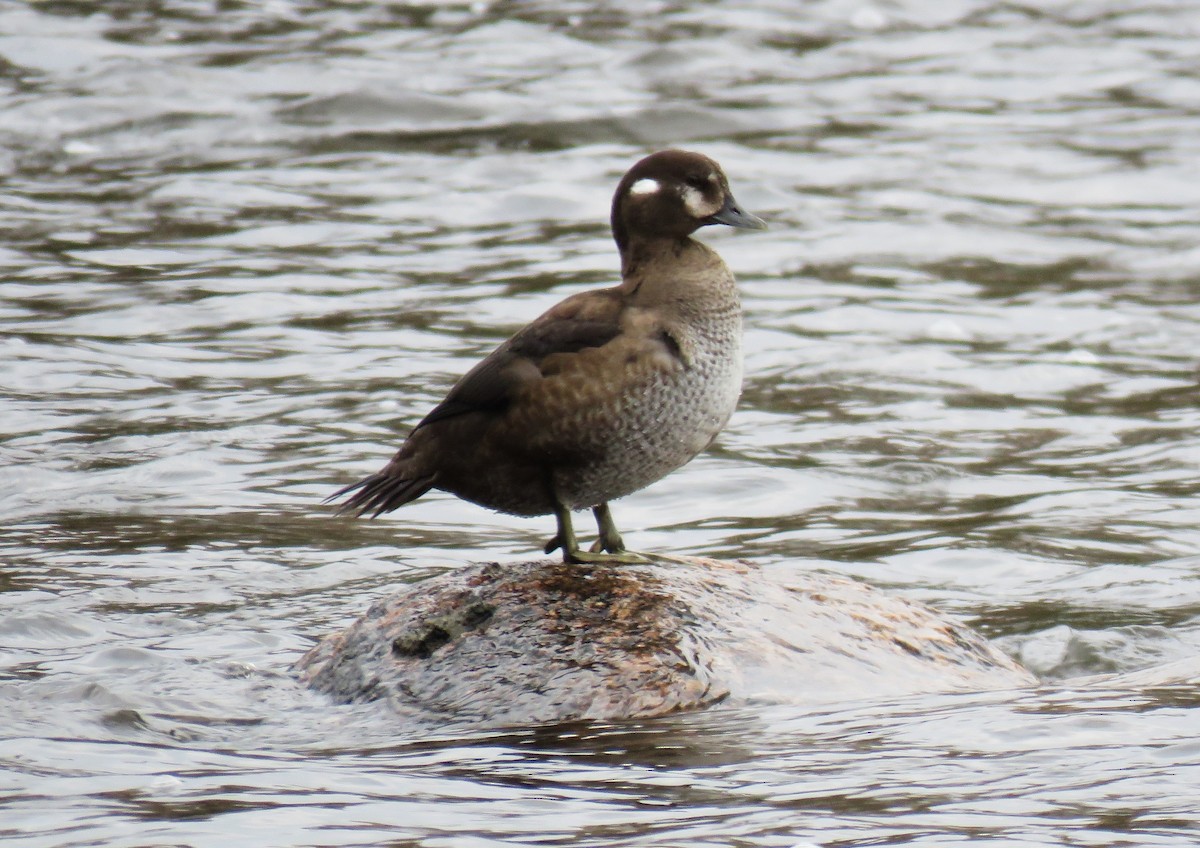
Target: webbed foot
(609, 546)
(600, 557)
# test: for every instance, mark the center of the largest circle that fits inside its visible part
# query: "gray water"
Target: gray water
(245, 246)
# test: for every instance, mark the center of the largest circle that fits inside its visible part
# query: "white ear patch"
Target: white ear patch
(696, 205)
(644, 186)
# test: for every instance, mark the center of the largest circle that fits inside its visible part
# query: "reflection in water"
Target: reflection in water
(244, 248)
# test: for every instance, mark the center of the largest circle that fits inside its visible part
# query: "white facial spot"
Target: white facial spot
(695, 203)
(644, 186)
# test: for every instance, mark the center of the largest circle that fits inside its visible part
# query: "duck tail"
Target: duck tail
(381, 492)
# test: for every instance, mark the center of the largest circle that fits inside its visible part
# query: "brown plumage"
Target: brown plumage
(607, 391)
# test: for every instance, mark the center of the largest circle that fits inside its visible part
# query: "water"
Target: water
(244, 246)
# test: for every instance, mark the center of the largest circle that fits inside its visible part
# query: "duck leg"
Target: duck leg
(610, 537)
(609, 547)
(565, 537)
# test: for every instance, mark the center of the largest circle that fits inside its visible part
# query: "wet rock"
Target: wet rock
(520, 643)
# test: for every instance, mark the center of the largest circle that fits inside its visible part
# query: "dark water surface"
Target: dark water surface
(244, 246)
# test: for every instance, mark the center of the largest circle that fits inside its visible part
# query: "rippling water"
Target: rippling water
(243, 247)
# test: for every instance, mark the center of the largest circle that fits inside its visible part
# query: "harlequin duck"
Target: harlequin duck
(606, 392)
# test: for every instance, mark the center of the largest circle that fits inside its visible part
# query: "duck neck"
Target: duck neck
(683, 272)
(640, 256)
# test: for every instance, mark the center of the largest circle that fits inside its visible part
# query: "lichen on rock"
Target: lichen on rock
(541, 641)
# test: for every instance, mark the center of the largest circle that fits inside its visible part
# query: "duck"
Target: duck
(606, 392)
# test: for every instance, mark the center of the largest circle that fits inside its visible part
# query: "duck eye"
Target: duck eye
(697, 181)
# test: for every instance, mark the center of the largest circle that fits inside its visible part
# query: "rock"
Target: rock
(530, 642)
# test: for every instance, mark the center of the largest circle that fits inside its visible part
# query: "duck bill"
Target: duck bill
(732, 215)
